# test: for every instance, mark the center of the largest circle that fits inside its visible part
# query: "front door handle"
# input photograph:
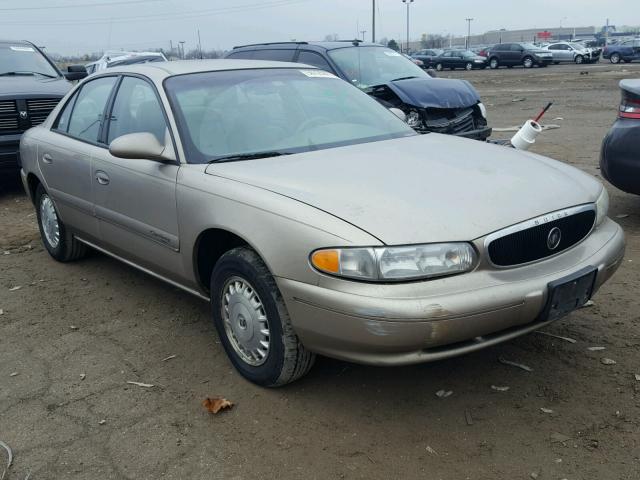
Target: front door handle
(102, 178)
(46, 158)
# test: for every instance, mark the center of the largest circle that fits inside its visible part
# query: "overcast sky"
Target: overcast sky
(95, 25)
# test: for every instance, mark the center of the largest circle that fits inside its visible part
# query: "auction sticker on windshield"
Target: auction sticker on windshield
(318, 74)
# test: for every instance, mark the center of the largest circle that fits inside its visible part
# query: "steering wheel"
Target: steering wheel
(313, 122)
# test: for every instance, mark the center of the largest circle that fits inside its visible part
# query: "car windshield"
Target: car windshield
(370, 66)
(24, 59)
(269, 112)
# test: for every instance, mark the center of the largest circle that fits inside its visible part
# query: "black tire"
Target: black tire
(527, 62)
(579, 59)
(615, 58)
(68, 248)
(287, 359)
(494, 63)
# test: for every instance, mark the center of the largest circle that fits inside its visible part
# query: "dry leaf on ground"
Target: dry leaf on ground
(214, 405)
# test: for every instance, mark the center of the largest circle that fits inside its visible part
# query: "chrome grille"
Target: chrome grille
(42, 104)
(7, 106)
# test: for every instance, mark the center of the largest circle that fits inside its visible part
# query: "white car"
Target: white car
(569, 52)
(119, 58)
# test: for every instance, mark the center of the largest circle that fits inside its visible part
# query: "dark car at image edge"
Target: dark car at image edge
(30, 87)
(445, 106)
(620, 155)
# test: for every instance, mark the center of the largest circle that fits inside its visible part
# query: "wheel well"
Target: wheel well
(210, 246)
(32, 183)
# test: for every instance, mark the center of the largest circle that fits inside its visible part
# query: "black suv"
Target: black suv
(525, 54)
(30, 87)
(430, 104)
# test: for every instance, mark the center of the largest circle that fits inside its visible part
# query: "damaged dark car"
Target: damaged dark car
(430, 104)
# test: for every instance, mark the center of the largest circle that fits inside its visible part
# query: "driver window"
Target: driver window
(88, 112)
(136, 109)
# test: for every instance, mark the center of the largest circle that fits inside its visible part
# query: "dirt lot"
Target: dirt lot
(73, 335)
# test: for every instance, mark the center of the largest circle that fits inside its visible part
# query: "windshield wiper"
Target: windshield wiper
(7, 74)
(403, 78)
(247, 156)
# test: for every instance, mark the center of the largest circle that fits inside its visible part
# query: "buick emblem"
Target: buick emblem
(23, 114)
(554, 237)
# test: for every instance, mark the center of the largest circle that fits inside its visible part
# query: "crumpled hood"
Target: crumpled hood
(424, 188)
(426, 92)
(21, 85)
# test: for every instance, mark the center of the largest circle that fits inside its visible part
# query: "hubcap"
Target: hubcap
(49, 220)
(245, 321)
(469, 66)
(528, 63)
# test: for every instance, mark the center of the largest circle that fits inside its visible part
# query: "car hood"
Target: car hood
(20, 85)
(424, 188)
(427, 92)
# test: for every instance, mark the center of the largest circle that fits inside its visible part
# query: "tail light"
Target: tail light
(630, 106)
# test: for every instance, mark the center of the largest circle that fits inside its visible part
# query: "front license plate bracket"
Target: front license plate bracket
(569, 293)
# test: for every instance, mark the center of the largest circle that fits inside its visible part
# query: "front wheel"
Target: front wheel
(468, 66)
(439, 67)
(615, 58)
(579, 59)
(58, 241)
(527, 62)
(253, 322)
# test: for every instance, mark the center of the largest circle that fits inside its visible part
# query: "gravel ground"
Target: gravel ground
(73, 335)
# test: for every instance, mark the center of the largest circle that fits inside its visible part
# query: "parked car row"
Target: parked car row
(526, 54)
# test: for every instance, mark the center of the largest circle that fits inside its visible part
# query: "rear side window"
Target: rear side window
(136, 109)
(88, 112)
(246, 55)
(516, 47)
(62, 123)
(274, 55)
(315, 59)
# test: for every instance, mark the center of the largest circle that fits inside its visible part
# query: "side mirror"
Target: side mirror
(143, 146)
(399, 113)
(75, 72)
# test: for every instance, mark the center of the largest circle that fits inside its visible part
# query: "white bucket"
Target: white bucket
(526, 136)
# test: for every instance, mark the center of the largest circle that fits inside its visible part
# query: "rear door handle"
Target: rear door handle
(102, 178)
(46, 158)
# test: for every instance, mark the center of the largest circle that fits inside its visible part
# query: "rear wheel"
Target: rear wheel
(494, 63)
(58, 241)
(253, 322)
(615, 58)
(527, 62)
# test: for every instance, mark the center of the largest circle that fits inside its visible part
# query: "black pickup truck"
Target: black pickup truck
(30, 87)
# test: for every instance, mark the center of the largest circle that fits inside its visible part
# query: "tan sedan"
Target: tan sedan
(313, 219)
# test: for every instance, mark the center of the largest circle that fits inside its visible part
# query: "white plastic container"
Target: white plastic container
(526, 136)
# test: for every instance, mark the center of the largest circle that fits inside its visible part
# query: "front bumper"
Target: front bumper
(398, 324)
(10, 153)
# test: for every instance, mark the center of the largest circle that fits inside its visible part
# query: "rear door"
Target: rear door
(135, 200)
(65, 154)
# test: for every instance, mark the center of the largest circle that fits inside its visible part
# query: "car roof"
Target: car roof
(161, 70)
(16, 42)
(308, 45)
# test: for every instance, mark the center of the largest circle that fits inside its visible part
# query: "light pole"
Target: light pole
(469, 20)
(373, 21)
(181, 42)
(363, 32)
(408, 2)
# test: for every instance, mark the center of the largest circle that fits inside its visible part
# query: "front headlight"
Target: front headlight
(414, 120)
(602, 206)
(396, 263)
(483, 109)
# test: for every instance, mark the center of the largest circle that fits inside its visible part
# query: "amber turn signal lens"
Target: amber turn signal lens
(326, 260)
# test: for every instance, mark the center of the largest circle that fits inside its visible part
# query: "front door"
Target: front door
(135, 200)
